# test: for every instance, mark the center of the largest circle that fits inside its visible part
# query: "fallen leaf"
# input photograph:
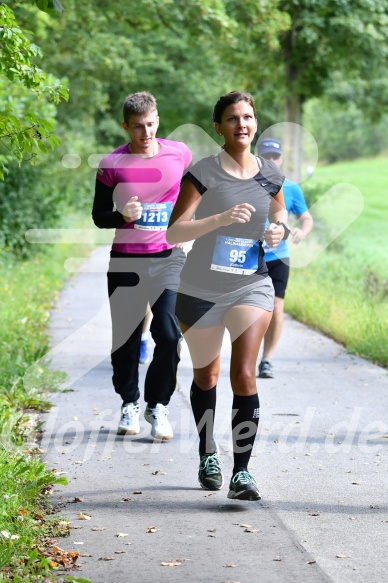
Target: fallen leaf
(211, 529)
(63, 559)
(277, 559)
(78, 543)
(78, 462)
(343, 556)
(313, 513)
(58, 549)
(54, 565)
(173, 563)
(83, 516)
(212, 535)
(126, 499)
(120, 552)
(246, 525)
(137, 492)
(75, 527)
(356, 483)
(311, 562)
(251, 530)
(106, 559)
(98, 528)
(152, 529)
(122, 534)
(308, 454)
(76, 499)
(232, 566)
(86, 555)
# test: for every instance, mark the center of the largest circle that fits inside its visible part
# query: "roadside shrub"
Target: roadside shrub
(314, 188)
(29, 198)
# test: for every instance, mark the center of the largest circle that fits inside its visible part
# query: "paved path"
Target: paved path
(320, 460)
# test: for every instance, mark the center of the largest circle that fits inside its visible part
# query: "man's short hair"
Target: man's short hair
(269, 146)
(138, 103)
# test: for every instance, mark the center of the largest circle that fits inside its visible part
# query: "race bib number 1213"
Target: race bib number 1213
(155, 216)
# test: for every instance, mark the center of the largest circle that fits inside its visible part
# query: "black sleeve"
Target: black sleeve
(103, 213)
(198, 185)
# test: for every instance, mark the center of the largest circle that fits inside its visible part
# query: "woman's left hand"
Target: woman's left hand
(274, 234)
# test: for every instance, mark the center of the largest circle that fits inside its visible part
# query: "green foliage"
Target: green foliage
(27, 292)
(343, 132)
(314, 189)
(22, 131)
(48, 5)
(368, 93)
(327, 36)
(25, 482)
(30, 197)
(344, 291)
(189, 50)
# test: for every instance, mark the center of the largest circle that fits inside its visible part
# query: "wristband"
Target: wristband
(286, 228)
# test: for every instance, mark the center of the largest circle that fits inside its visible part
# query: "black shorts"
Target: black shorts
(279, 271)
(199, 310)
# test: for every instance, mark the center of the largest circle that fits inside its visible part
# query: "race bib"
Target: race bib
(155, 216)
(234, 255)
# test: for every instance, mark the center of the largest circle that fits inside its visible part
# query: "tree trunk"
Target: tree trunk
(292, 147)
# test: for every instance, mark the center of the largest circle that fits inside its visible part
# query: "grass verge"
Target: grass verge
(344, 290)
(28, 290)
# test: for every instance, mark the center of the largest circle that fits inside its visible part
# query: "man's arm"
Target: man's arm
(306, 223)
(103, 213)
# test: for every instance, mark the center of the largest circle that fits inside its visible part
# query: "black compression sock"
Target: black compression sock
(246, 411)
(203, 404)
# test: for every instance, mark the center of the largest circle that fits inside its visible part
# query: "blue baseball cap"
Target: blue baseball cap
(269, 146)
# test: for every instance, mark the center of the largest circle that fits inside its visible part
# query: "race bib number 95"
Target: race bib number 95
(234, 255)
(155, 216)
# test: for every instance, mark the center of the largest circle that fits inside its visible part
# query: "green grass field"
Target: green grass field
(343, 291)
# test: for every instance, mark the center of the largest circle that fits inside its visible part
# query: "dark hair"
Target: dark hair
(138, 103)
(229, 99)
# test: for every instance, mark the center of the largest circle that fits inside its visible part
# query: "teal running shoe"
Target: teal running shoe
(210, 471)
(243, 487)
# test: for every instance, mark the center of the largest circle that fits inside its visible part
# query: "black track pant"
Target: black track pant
(132, 283)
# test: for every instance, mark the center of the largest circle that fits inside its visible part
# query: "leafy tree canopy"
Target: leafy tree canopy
(25, 128)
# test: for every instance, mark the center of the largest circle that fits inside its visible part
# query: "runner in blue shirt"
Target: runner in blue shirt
(278, 259)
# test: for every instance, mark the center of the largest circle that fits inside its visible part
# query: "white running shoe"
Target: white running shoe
(129, 421)
(161, 428)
